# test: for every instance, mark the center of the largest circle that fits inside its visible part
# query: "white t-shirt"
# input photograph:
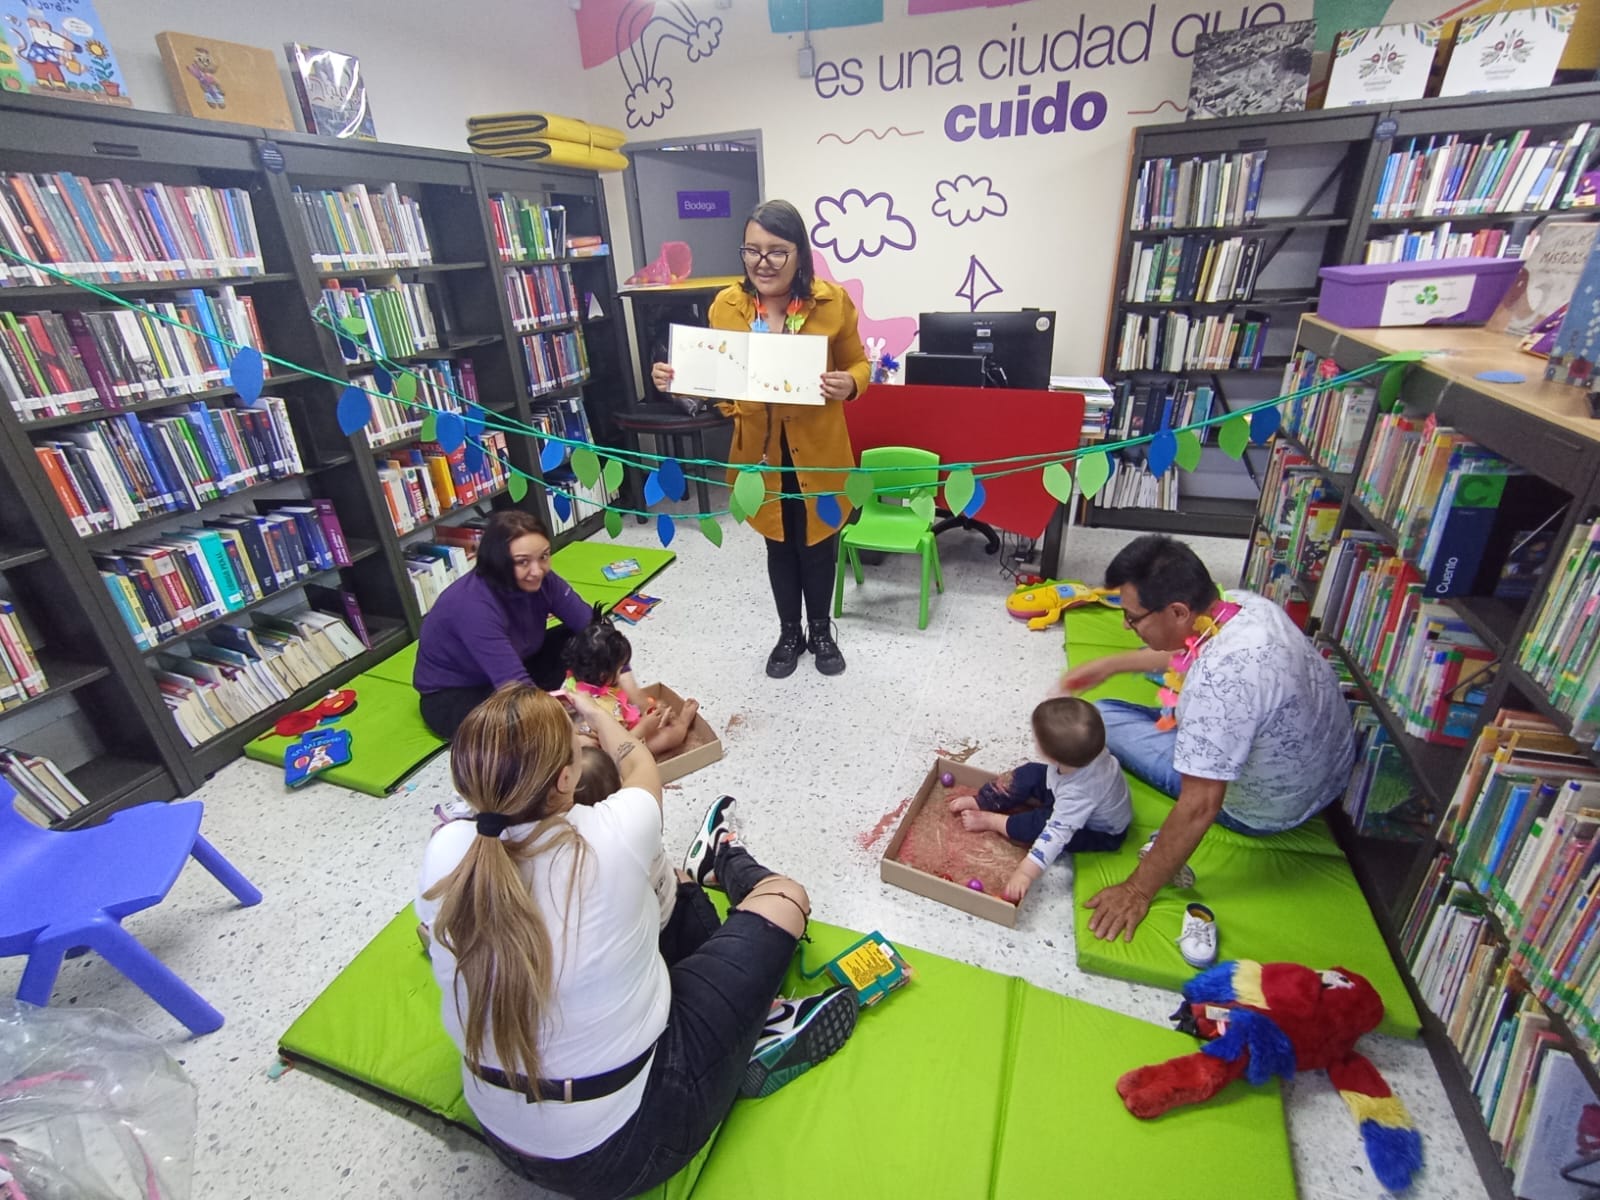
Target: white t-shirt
(612, 991)
(1261, 710)
(1093, 796)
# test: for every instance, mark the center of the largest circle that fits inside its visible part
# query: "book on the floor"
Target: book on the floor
(318, 751)
(872, 967)
(621, 569)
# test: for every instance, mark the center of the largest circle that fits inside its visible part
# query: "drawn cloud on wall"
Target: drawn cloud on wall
(854, 225)
(648, 102)
(894, 334)
(964, 199)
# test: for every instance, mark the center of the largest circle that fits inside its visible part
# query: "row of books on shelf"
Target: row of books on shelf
(1329, 423)
(1195, 268)
(524, 231)
(563, 418)
(433, 566)
(398, 317)
(1138, 409)
(21, 676)
(1382, 799)
(1223, 189)
(44, 792)
(1296, 518)
(1181, 341)
(1131, 485)
(60, 363)
(443, 384)
(541, 296)
(586, 499)
(358, 227)
(1428, 245)
(172, 584)
(554, 360)
(113, 474)
(1561, 648)
(423, 482)
(1452, 175)
(113, 232)
(1525, 1079)
(1421, 658)
(235, 672)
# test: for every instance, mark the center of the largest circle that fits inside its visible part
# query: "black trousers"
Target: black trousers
(444, 710)
(724, 979)
(795, 569)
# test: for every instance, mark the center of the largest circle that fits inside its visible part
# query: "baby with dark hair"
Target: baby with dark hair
(599, 663)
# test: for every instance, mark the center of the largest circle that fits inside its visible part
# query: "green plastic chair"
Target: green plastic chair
(887, 522)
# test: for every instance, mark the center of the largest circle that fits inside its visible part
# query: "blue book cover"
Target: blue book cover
(1572, 358)
(62, 50)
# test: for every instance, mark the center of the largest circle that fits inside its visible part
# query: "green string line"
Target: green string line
(499, 422)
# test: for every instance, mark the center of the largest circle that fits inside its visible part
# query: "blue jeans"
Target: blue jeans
(1028, 787)
(1146, 753)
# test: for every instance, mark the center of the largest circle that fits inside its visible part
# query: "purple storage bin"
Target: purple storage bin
(1449, 291)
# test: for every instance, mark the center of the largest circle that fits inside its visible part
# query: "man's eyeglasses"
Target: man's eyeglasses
(1132, 622)
(777, 259)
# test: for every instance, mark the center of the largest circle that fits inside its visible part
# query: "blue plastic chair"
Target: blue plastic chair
(63, 889)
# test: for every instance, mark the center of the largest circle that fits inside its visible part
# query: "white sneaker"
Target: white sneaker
(715, 827)
(1198, 940)
(1183, 877)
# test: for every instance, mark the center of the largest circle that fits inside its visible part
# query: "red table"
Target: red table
(972, 424)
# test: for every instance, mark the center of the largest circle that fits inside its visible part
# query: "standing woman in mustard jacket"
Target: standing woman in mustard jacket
(781, 294)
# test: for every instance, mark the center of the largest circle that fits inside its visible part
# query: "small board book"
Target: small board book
(224, 81)
(621, 569)
(1509, 51)
(1383, 63)
(332, 92)
(723, 364)
(635, 608)
(872, 967)
(60, 49)
(320, 750)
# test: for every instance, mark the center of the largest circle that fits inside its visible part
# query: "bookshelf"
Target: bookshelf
(1405, 864)
(1316, 203)
(435, 293)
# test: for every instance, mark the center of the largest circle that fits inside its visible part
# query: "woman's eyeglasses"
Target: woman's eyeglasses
(777, 259)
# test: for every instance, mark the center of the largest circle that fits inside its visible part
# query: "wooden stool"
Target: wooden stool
(682, 434)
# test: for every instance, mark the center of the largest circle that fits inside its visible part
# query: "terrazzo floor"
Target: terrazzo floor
(815, 763)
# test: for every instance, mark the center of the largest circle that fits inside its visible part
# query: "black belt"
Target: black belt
(568, 1091)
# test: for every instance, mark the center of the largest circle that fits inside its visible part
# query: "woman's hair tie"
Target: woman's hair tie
(491, 824)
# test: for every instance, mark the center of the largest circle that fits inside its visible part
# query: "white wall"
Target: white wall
(1054, 243)
(428, 66)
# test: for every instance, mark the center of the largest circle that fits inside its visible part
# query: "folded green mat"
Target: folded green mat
(582, 565)
(965, 1083)
(1290, 897)
(388, 739)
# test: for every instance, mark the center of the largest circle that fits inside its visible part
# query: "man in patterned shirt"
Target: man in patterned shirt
(1263, 739)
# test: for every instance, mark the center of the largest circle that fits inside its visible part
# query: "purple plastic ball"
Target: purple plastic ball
(947, 779)
(975, 884)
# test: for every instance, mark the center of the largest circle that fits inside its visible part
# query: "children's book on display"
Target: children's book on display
(58, 48)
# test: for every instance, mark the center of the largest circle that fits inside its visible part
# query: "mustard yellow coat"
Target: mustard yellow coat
(816, 435)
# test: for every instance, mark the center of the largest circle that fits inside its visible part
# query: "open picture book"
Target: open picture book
(773, 368)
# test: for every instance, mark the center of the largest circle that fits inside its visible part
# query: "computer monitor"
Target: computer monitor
(1015, 346)
(945, 370)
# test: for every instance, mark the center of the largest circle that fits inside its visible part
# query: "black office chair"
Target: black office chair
(950, 520)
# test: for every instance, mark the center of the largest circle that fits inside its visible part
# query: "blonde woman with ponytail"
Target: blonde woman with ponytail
(596, 1067)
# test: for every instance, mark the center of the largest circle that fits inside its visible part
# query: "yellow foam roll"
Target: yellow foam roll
(550, 127)
(560, 154)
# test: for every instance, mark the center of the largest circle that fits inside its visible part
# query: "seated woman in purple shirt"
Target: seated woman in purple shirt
(488, 628)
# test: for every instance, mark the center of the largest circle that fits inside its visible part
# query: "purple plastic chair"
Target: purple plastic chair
(62, 889)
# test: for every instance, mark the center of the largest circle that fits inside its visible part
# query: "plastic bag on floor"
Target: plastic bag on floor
(90, 1109)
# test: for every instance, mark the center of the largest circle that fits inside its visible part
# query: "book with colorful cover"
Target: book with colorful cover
(1553, 260)
(224, 81)
(1508, 51)
(332, 92)
(1383, 63)
(60, 48)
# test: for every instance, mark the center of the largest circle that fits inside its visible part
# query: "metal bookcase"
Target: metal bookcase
(1542, 428)
(1336, 158)
(50, 569)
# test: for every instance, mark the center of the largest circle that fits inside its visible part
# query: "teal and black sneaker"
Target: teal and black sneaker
(715, 827)
(799, 1035)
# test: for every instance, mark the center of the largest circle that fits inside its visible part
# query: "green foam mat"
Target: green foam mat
(965, 1083)
(388, 739)
(1290, 897)
(581, 564)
